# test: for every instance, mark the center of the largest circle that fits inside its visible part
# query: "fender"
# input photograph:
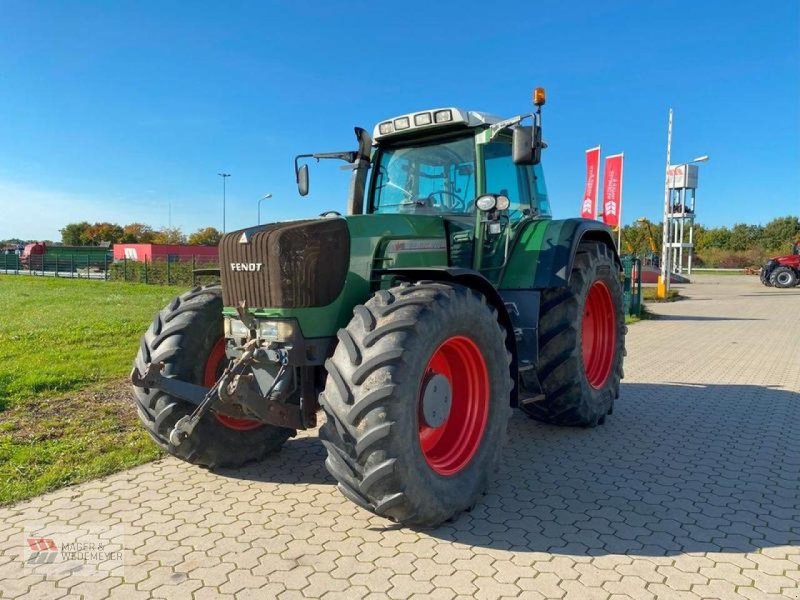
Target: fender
(544, 251)
(476, 281)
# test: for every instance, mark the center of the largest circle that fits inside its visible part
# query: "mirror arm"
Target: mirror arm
(507, 123)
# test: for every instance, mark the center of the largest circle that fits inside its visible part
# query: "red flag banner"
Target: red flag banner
(588, 210)
(612, 190)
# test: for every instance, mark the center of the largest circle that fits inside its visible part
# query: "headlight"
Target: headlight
(486, 202)
(275, 330)
(267, 330)
(503, 202)
(234, 328)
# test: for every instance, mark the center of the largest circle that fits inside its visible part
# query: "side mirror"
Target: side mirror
(522, 147)
(302, 180)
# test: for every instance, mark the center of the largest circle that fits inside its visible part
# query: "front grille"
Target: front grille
(303, 263)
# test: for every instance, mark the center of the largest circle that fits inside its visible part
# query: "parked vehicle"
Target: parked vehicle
(446, 296)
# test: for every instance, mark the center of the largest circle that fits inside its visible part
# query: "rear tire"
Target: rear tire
(783, 277)
(581, 343)
(397, 444)
(186, 336)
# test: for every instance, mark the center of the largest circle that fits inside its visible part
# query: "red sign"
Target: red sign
(612, 190)
(592, 183)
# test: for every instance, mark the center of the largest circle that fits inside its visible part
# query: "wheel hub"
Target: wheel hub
(437, 398)
(783, 278)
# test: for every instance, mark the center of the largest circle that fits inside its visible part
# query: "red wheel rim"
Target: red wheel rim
(449, 447)
(599, 335)
(214, 366)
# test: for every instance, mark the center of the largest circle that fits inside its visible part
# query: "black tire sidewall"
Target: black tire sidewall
(604, 271)
(790, 274)
(430, 492)
(182, 336)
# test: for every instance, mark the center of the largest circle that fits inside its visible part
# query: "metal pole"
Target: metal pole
(224, 177)
(663, 287)
(264, 197)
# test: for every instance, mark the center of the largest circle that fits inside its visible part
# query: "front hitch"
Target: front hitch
(232, 388)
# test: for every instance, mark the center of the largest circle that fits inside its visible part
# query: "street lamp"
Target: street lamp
(264, 197)
(224, 179)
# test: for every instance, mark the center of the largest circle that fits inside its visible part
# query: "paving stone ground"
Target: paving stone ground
(690, 490)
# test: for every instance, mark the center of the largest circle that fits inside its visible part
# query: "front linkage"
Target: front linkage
(228, 388)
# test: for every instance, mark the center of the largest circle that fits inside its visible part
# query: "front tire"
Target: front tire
(783, 277)
(417, 402)
(581, 343)
(187, 337)
(763, 275)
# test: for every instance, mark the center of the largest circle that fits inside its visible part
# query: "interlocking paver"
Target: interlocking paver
(688, 491)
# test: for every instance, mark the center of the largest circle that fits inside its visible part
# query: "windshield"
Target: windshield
(438, 178)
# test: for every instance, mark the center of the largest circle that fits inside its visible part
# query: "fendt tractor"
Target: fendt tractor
(444, 298)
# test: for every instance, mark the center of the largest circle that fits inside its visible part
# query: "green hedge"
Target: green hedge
(160, 272)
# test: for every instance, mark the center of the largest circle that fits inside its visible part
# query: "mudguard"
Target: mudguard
(544, 251)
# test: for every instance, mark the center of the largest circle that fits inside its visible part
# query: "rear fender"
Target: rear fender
(544, 252)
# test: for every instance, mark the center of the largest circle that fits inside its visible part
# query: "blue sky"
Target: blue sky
(116, 110)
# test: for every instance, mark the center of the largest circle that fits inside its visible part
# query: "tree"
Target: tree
(137, 233)
(206, 236)
(780, 233)
(745, 237)
(167, 235)
(98, 233)
(73, 233)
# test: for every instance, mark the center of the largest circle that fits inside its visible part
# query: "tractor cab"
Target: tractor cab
(479, 174)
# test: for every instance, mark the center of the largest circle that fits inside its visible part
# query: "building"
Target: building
(169, 252)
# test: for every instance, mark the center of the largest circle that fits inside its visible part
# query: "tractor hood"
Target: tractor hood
(297, 264)
(316, 270)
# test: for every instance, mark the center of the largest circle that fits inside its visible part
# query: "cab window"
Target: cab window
(437, 178)
(502, 176)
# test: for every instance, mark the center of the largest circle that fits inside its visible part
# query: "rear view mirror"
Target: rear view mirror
(302, 180)
(522, 145)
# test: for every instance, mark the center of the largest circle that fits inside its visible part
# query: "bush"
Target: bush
(731, 259)
(161, 272)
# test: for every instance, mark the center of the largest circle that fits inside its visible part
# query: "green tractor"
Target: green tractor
(445, 297)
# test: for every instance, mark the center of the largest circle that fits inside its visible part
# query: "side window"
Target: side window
(502, 176)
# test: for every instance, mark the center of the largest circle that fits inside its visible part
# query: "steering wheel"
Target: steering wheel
(329, 214)
(457, 201)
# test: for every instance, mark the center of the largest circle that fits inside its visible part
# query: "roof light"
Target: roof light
(402, 123)
(538, 96)
(386, 127)
(443, 116)
(423, 118)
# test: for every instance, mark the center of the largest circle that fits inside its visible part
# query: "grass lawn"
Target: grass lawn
(66, 347)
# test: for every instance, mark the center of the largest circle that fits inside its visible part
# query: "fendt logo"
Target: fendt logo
(246, 266)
